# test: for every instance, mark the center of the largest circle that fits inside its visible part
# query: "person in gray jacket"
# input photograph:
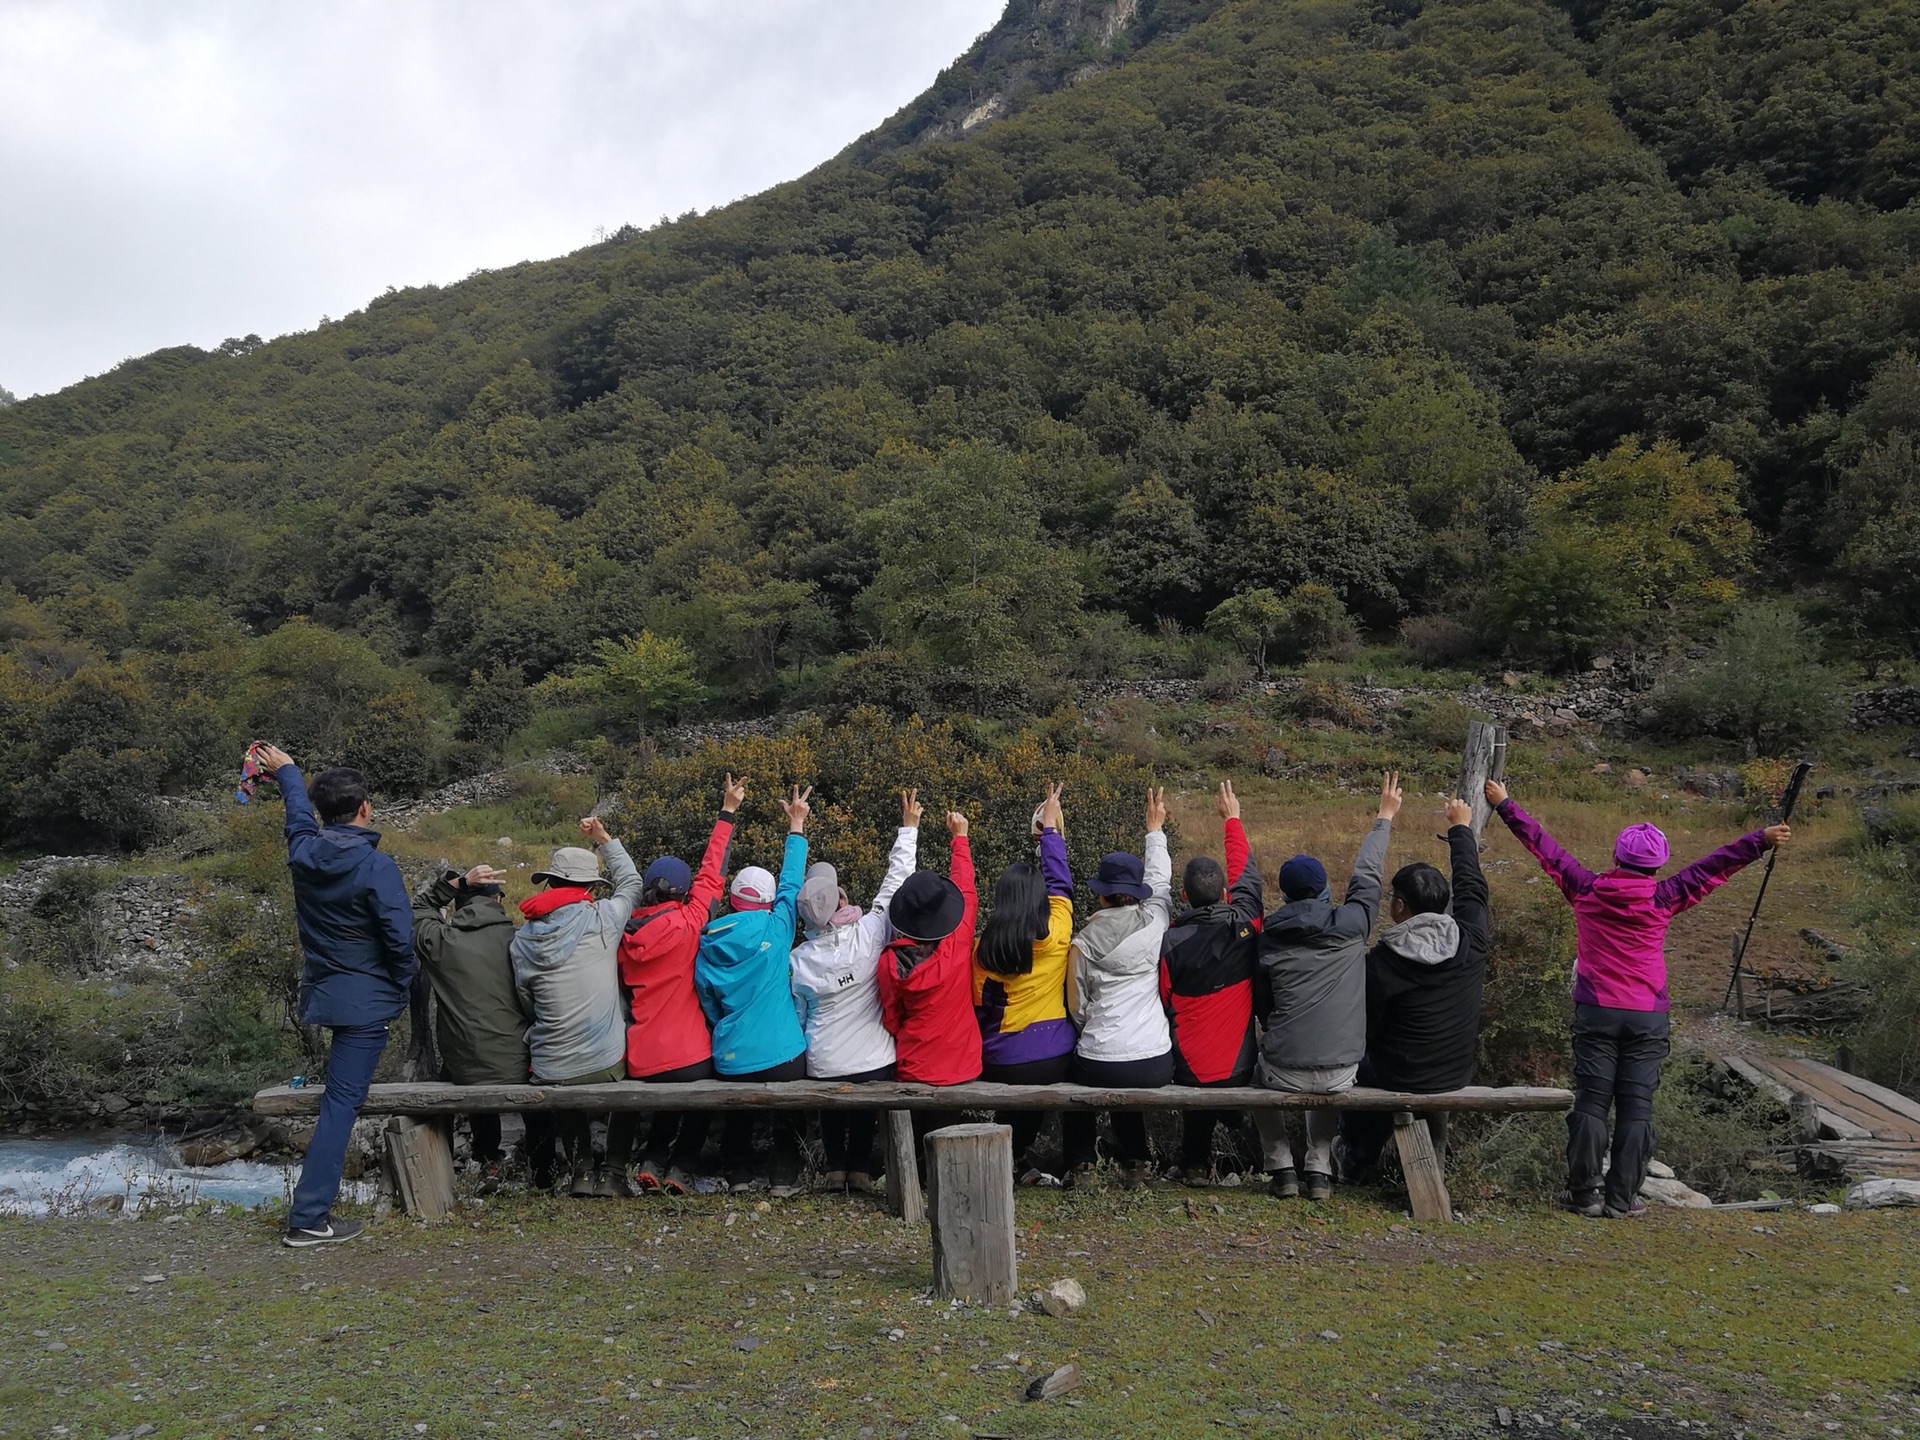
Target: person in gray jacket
(1311, 991)
(566, 969)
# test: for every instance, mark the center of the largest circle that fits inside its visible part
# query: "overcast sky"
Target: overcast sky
(178, 171)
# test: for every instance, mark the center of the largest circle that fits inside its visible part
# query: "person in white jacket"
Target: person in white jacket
(836, 991)
(1114, 995)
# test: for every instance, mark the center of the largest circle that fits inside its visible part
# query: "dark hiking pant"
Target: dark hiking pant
(1616, 1062)
(846, 1136)
(1197, 1126)
(1364, 1133)
(1027, 1124)
(678, 1136)
(736, 1131)
(1077, 1127)
(596, 1139)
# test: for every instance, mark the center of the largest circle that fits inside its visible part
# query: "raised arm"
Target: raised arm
(960, 871)
(904, 855)
(1246, 890)
(617, 909)
(1156, 861)
(430, 903)
(1470, 910)
(711, 879)
(1569, 874)
(1370, 864)
(1687, 888)
(301, 825)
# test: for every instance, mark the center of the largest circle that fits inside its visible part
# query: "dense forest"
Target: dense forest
(1225, 331)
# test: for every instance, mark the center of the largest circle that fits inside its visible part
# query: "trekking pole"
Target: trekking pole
(1787, 802)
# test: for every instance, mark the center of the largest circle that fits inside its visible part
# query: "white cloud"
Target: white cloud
(180, 172)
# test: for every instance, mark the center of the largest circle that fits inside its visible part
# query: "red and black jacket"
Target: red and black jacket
(1207, 964)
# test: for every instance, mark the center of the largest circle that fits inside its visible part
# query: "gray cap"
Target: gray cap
(819, 895)
(571, 865)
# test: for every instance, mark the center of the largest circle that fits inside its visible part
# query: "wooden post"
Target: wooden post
(1426, 1183)
(904, 1198)
(1483, 759)
(420, 1161)
(970, 1197)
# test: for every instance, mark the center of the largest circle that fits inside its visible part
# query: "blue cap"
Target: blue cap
(1120, 874)
(669, 872)
(1302, 878)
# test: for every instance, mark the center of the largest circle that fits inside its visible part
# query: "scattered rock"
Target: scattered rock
(1710, 784)
(1879, 822)
(1206, 1319)
(152, 1279)
(107, 1204)
(1329, 1334)
(1879, 1194)
(1061, 1299)
(1636, 779)
(1662, 1169)
(222, 1146)
(1824, 1208)
(1673, 1194)
(1274, 762)
(1066, 1378)
(1601, 767)
(748, 1343)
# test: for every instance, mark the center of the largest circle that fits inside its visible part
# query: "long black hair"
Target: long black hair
(1022, 914)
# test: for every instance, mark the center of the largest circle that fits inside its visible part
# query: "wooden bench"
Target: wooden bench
(420, 1156)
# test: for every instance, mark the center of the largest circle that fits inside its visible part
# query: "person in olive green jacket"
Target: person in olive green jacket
(462, 934)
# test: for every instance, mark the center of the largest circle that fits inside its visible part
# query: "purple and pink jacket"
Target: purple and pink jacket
(1621, 918)
(1023, 1018)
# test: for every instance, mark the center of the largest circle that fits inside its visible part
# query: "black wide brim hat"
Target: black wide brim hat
(926, 907)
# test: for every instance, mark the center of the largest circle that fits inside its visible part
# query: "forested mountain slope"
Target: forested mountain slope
(1560, 323)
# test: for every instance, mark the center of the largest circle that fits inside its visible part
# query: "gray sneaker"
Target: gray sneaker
(334, 1232)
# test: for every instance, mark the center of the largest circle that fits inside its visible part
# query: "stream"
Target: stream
(65, 1174)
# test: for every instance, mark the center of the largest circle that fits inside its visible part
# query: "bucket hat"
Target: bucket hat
(571, 865)
(926, 907)
(1120, 874)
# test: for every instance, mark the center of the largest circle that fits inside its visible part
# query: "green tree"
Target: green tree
(1557, 600)
(636, 681)
(1251, 622)
(1762, 684)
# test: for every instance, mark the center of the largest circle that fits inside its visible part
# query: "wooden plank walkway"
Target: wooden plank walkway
(1864, 1129)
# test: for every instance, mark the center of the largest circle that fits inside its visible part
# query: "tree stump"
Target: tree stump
(904, 1198)
(1483, 759)
(970, 1198)
(420, 1164)
(1426, 1182)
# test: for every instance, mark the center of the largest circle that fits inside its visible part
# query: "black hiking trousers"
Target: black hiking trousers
(1616, 1062)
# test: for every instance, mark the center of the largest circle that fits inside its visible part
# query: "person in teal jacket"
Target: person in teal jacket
(740, 975)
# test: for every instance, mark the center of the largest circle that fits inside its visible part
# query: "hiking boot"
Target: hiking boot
(676, 1181)
(1583, 1202)
(859, 1182)
(1283, 1184)
(610, 1182)
(1081, 1177)
(334, 1232)
(1634, 1210)
(834, 1182)
(1137, 1175)
(784, 1189)
(581, 1186)
(1033, 1177)
(1319, 1186)
(646, 1180)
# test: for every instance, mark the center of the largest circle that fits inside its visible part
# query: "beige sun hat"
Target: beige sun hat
(571, 865)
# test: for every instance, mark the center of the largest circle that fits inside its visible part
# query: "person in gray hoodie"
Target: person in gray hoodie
(566, 969)
(1311, 990)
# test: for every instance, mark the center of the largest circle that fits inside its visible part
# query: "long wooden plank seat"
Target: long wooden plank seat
(433, 1098)
(419, 1153)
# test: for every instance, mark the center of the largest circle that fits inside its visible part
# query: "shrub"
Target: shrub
(1523, 1027)
(1228, 680)
(1437, 722)
(1557, 601)
(857, 767)
(1329, 702)
(1762, 683)
(1316, 626)
(1438, 639)
(496, 704)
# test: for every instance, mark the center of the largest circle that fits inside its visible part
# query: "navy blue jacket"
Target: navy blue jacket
(356, 921)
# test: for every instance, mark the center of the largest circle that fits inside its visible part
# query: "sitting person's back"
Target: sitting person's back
(566, 962)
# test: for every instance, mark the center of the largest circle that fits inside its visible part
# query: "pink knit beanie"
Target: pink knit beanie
(1641, 846)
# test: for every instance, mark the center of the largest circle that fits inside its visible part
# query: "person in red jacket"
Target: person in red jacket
(926, 975)
(668, 1038)
(1207, 965)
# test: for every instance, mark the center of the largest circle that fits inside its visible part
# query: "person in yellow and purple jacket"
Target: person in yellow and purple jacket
(1020, 981)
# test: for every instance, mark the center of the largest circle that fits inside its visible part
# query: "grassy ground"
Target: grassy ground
(1211, 1313)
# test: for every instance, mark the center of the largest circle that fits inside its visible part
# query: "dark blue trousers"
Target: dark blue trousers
(351, 1059)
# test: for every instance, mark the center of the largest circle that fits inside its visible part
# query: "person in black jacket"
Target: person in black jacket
(1424, 982)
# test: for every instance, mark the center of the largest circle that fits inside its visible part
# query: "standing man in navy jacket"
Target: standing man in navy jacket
(356, 942)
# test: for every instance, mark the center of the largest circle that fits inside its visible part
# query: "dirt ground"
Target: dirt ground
(1212, 1312)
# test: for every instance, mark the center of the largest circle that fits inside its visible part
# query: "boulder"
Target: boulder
(221, 1147)
(1274, 762)
(1880, 1194)
(1674, 1194)
(1062, 1298)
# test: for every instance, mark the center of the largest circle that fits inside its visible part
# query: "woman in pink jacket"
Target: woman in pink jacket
(1620, 1003)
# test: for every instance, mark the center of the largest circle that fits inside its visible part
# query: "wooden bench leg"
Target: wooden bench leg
(1426, 1182)
(970, 1198)
(420, 1161)
(904, 1198)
